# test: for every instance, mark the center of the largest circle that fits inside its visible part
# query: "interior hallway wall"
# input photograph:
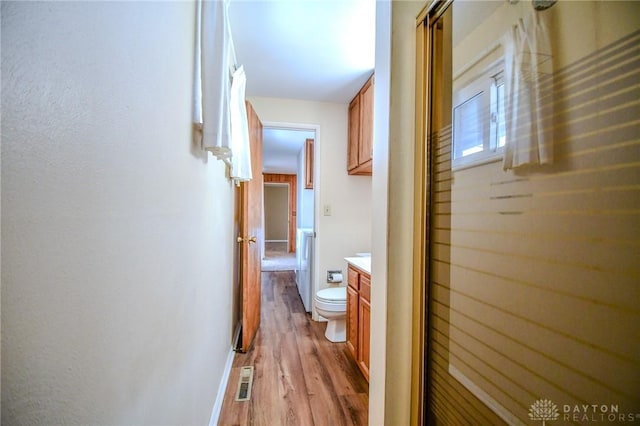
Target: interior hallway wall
(276, 212)
(304, 217)
(116, 252)
(392, 273)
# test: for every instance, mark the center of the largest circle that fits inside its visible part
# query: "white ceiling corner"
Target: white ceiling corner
(312, 50)
(304, 49)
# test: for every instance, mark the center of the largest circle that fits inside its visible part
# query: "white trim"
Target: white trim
(289, 126)
(477, 159)
(483, 396)
(483, 83)
(217, 405)
(276, 241)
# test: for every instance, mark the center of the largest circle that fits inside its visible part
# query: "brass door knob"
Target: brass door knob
(248, 239)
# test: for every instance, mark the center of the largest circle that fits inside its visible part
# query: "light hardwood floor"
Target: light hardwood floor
(300, 377)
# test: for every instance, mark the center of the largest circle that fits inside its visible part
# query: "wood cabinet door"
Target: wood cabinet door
(352, 278)
(364, 338)
(308, 164)
(365, 149)
(354, 134)
(352, 321)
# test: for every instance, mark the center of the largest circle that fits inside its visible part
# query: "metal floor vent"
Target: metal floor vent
(244, 384)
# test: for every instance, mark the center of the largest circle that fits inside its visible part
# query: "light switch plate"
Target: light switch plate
(327, 209)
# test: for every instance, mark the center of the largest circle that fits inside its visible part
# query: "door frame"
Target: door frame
(292, 184)
(423, 202)
(316, 187)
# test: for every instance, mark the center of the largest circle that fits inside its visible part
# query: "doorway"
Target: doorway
(280, 210)
(286, 161)
(276, 217)
(279, 218)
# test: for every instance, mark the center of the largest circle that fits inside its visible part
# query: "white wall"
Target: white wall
(348, 229)
(116, 254)
(304, 214)
(380, 207)
(391, 286)
(276, 212)
(0, 246)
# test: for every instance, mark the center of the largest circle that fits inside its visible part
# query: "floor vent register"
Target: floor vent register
(244, 384)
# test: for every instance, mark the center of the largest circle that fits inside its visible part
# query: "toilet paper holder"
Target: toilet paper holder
(334, 276)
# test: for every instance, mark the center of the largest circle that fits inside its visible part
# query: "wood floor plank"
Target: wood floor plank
(323, 398)
(355, 407)
(300, 378)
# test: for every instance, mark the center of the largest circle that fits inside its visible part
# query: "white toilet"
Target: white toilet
(331, 303)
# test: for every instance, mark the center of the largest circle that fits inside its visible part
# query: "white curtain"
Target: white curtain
(213, 66)
(240, 144)
(528, 84)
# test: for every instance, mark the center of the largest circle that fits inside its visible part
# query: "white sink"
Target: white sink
(360, 262)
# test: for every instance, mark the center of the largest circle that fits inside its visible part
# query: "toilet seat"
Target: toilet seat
(331, 303)
(336, 295)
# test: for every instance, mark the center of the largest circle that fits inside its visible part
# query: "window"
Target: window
(478, 120)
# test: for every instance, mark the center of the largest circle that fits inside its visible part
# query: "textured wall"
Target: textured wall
(305, 212)
(276, 212)
(116, 263)
(399, 169)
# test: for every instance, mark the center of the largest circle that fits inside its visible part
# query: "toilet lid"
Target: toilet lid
(333, 294)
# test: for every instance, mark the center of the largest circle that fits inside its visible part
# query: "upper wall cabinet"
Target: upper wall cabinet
(360, 148)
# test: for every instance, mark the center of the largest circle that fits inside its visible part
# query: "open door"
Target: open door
(250, 237)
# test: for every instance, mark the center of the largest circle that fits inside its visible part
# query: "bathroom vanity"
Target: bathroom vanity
(359, 310)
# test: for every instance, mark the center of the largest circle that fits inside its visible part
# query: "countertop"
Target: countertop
(363, 263)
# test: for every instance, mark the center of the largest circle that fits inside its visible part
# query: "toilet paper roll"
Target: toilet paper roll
(336, 278)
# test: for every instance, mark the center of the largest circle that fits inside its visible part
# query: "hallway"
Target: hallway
(276, 258)
(300, 377)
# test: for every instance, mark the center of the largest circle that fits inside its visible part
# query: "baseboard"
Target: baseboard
(217, 406)
(483, 396)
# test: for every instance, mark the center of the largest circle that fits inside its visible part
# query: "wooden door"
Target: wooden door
(251, 236)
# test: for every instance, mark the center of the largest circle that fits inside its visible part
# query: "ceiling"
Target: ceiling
(315, 50)
(468, 14)
(312, 50)
(281, 148)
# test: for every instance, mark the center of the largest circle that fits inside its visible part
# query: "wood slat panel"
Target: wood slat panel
(534, 274)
